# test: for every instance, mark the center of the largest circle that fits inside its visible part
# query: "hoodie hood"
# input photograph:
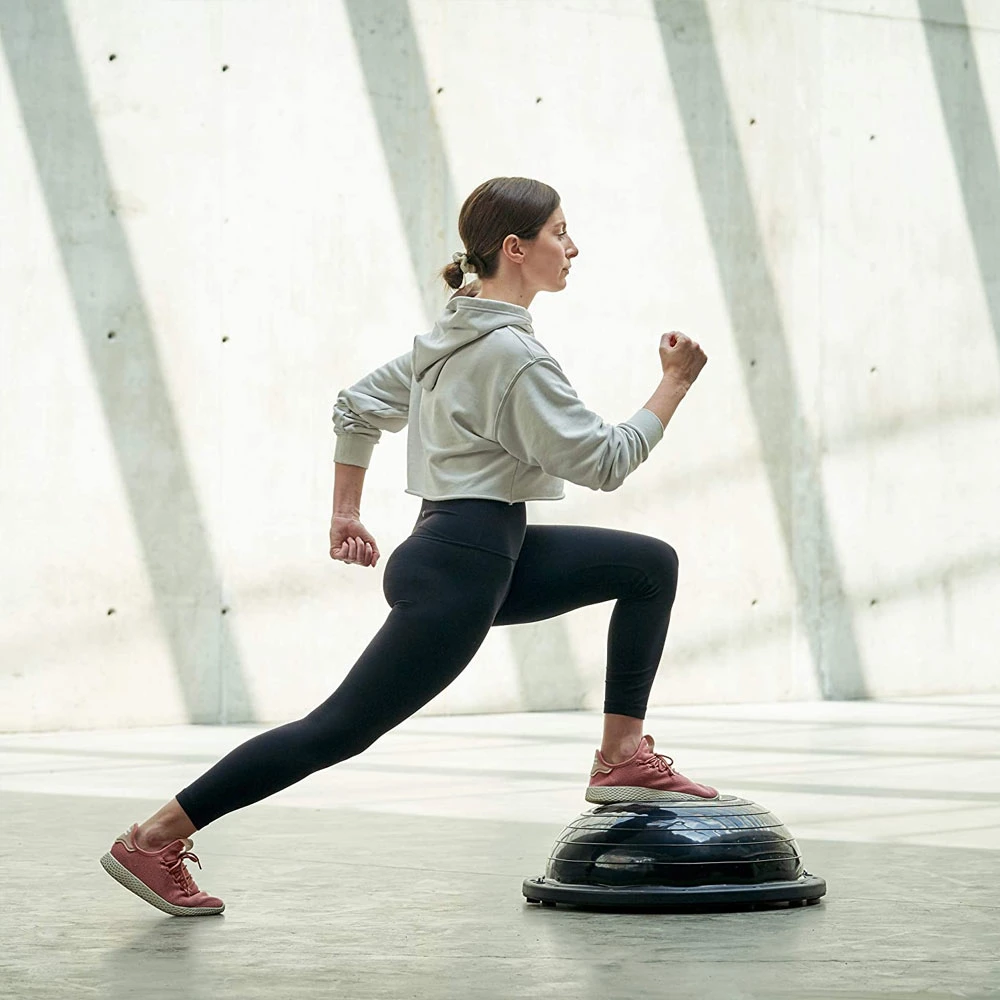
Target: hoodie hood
(464, 321)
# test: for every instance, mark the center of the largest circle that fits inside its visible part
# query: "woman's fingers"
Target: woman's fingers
(356, 550)
(359, 551)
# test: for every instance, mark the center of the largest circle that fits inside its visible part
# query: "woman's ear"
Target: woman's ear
(513, 249)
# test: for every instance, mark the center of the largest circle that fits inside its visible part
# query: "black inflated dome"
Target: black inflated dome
(683, 853)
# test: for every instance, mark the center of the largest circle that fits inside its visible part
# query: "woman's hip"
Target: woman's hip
(488, 525)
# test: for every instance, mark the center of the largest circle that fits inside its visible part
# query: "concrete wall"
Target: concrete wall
(215, 215)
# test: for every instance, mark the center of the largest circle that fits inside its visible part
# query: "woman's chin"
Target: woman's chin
(557, 286)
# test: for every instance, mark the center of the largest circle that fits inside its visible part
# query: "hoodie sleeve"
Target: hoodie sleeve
(378, 402)
(542, 422)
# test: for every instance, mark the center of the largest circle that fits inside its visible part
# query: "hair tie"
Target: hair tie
(462, 259)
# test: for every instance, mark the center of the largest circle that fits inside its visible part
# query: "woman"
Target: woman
(493, 422)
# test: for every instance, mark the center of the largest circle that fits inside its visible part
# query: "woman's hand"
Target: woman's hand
(681, 357)
(351, 542)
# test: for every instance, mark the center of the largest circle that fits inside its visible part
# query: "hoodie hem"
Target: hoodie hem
(481, 496)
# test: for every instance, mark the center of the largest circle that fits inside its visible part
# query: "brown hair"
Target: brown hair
(495, 210)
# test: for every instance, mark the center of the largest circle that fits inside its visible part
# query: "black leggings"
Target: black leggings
(468, 565)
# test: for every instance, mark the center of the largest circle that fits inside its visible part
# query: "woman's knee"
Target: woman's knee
(325, 741)
(663, 562)
(670, 558)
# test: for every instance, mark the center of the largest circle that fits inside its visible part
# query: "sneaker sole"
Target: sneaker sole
(607, 794)
(121, 874)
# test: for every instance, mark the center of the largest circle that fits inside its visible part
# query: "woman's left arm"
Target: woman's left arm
(380, 401)
(350, 540)
(348, 483)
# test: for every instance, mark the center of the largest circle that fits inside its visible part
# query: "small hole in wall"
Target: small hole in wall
(225, 68)
(538, 100)
(111, 611)
(112, 57)
(225, 339)
(111, 335)
(873, 602)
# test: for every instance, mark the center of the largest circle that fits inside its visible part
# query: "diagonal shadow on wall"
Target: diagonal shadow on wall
(971, 135)
(400, 96)
(790, 455)
(51, 91)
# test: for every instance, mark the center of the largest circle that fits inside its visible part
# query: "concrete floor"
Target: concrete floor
(398, 874)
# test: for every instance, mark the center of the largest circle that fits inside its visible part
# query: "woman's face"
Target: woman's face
(548, 255)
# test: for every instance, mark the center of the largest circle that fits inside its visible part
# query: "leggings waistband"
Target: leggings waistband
(491, 525)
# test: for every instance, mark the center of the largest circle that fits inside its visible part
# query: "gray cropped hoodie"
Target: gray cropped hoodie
(490, 414)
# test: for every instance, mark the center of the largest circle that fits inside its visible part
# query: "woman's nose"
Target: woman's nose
(572, 250)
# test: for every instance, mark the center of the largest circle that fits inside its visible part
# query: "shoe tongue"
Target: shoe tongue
(649, 741)
(177, 847)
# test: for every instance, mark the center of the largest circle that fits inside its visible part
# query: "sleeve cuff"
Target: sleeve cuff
(649, 426)
(354, 450)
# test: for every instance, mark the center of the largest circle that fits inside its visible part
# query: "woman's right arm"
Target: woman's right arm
(542, 421)
(666, 399)
(681, 359)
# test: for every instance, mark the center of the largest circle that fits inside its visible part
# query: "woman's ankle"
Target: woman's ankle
(618, 753)
(155, 836)
(167, 824)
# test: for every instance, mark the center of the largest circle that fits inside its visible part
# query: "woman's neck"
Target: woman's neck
(514, 292)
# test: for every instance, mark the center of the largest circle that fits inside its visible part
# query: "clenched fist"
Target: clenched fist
(681, 357)
(351, 542)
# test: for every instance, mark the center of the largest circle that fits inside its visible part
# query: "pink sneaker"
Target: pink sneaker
(644, 777)
(160, 877)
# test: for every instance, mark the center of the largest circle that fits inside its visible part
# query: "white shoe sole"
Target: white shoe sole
(608, 794)
(121, 874)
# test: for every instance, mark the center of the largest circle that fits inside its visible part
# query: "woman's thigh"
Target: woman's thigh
(563, 567)
(443, 600)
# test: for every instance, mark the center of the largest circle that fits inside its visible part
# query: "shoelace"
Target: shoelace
(181, 875)
(661, 762)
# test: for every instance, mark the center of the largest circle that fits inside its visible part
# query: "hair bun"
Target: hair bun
(453, 275)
